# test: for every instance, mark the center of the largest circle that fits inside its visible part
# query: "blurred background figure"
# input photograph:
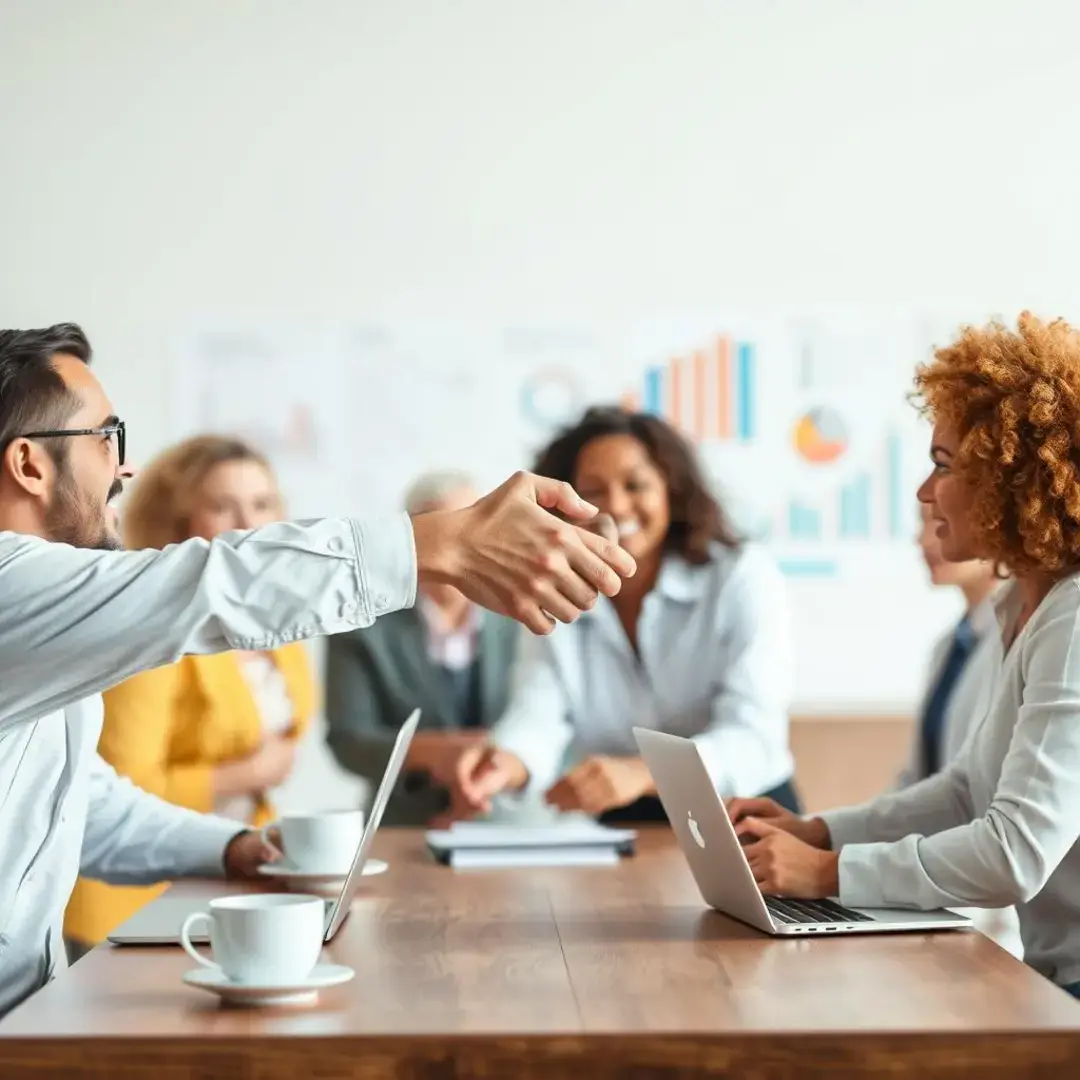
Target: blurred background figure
(957, 695)
(445, 655)
(959, 692)
(697, 643)
(213, 733)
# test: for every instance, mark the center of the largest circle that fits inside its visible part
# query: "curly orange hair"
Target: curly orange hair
(1013, 398)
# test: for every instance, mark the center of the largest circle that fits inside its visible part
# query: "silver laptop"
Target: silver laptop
(707, 838)
(159, 923)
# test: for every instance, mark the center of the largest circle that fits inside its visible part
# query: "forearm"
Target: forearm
(986, 863)
(82, 620)
(135, 838)
(930, 806)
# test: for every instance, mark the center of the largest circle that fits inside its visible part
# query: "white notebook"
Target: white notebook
(495, 858)
(488, 844)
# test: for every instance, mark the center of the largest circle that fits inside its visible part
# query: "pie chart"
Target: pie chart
(550, 398)
(820, 435)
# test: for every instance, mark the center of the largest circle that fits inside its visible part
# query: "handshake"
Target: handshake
(532, 550)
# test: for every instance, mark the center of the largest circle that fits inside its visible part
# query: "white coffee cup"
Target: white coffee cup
(323, 843)
(261, 940)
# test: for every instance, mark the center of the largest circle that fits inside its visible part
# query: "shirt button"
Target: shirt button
(347, 610)
(382, 599)
(336, 545)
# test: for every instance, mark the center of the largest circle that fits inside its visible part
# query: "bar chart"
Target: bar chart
(709, 394)
(868, 506)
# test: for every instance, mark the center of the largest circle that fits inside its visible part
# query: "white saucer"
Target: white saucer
(323, 976)
(290, 873)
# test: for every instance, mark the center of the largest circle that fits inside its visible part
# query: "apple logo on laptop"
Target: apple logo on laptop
(695, 832)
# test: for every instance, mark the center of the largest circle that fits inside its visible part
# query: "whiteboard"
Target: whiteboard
(801, 418)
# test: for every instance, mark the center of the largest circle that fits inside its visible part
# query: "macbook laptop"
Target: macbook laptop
(707, 838)
(159, 923)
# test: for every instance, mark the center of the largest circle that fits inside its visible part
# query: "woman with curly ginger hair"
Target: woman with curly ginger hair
(697, 643)
(999, 826)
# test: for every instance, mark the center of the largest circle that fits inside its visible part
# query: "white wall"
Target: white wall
(497, 159)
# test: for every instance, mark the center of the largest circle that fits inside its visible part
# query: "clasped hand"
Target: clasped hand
(599, 783)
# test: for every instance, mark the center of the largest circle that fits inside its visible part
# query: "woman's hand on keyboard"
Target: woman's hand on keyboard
(783, 865)
(812, 831)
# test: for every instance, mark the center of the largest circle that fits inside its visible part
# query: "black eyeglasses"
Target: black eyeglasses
(116, 429)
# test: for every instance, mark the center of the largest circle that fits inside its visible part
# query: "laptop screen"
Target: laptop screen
(340, 908)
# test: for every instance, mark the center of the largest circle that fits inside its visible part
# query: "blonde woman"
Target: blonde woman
(213, 733)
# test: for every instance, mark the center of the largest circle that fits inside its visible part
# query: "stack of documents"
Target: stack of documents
(480, 844)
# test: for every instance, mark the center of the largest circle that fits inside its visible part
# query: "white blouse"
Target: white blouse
(1000, 824)
(275, 708)
(714, 663)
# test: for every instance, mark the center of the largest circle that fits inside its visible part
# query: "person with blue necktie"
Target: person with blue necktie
(951, 702)
(962, 673)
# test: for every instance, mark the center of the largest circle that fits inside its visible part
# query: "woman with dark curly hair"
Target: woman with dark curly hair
(697, 643)
(999, 826)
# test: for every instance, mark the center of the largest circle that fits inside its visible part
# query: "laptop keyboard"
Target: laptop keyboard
(812, 911)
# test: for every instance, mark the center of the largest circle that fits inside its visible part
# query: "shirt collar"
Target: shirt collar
(984, 617)
(682, 581)
(679, 581)
(1007, 602)
(436, 625)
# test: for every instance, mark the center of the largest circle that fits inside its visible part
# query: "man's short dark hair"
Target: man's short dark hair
(33, 396)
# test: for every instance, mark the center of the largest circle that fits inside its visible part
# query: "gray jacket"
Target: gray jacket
(375, 677)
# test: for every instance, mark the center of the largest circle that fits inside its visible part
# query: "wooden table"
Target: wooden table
(595, 972)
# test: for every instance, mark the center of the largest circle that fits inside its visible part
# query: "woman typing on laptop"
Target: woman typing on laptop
(698, 644)
(999, 825)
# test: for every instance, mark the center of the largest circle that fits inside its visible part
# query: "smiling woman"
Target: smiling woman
(1005, 484)
(1000, 824)
(697, 643)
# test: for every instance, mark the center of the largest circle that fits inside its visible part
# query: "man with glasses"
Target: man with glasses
(79, 615)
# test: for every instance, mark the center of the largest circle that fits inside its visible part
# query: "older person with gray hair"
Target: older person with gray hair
(445, 655)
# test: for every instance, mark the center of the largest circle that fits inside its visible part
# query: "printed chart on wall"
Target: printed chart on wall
(805, 424)
(276, 387)
(802, 419)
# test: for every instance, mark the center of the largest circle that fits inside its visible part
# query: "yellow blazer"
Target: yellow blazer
(167, 730)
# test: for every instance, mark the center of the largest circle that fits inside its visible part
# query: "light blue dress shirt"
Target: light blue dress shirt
(74, 622)
(714, 663)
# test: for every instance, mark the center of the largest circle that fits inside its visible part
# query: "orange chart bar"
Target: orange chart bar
(723, 387)
(708, 394)
(699, 430)
(675, 381)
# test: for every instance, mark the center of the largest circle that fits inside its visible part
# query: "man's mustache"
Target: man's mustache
(115, 491)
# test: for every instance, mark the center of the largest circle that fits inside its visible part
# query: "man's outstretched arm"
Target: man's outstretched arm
(74, 621)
